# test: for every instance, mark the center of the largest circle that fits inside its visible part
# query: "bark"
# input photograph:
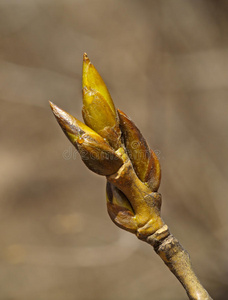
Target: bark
(178, 261)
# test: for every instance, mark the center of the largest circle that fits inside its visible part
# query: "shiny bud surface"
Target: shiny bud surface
(144, 160)
(95, 152)
(98, 110)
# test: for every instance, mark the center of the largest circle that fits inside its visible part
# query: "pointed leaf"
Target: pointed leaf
(95, 152)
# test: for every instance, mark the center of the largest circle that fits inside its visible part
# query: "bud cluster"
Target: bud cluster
(106, 142)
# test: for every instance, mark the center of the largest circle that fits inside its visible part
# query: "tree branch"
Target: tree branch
(152, 229)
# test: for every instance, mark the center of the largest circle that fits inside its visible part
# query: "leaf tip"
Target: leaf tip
(85, 57)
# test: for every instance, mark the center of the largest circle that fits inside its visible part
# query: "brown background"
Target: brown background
(166, 65)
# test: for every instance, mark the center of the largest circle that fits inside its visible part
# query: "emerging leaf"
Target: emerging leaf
(98, 110)
(144, 160)
(95, 152)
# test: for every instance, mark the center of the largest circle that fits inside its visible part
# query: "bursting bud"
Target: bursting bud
(144, 160)
(99, 112)
(95, 152)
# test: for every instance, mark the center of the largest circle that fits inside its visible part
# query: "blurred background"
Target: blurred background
(166, 65)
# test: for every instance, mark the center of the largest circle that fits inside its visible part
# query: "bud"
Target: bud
(120, 209)
(153, 177)
(144, 160)
(95, 152)
(98, 110)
